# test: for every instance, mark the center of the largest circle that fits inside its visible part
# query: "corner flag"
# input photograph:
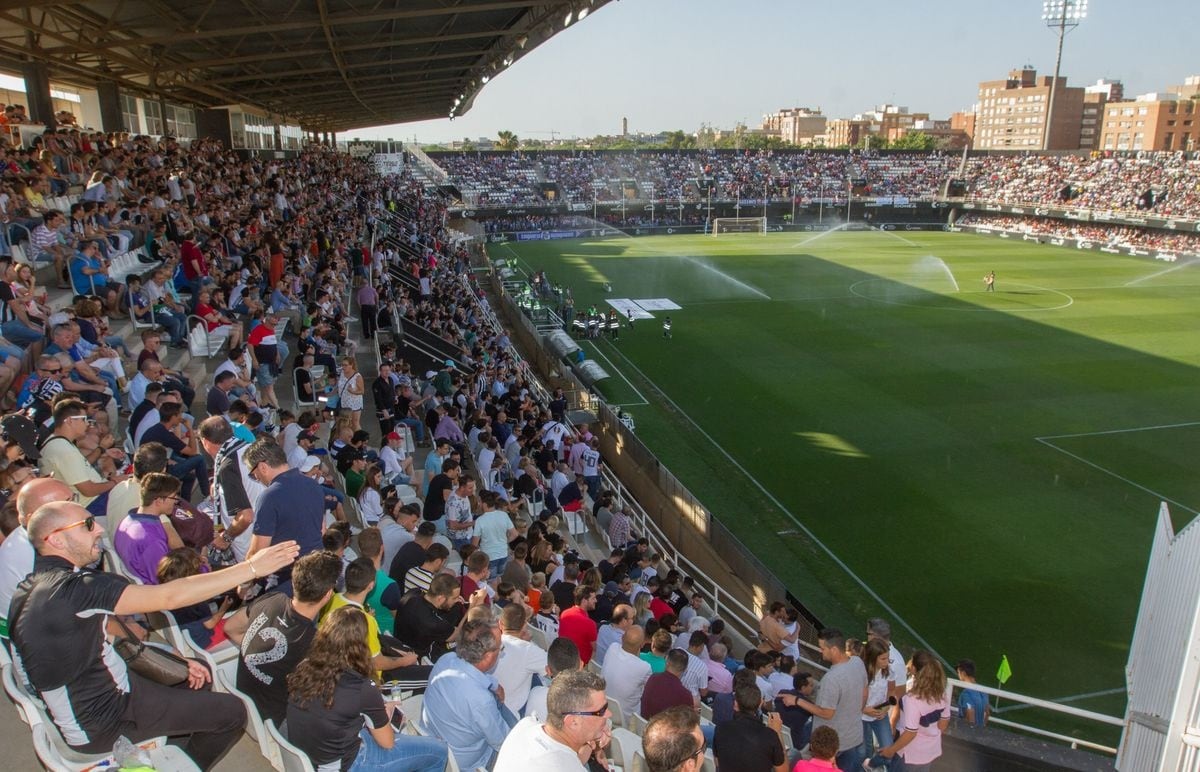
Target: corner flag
(1005, 672)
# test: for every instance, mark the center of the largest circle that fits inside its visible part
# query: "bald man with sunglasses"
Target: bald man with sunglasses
(57, 623)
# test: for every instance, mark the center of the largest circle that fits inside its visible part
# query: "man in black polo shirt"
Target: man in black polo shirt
(57, 623)
(427, 621)
(274, 632)
(412, 554)
(440, 488)
(744, 744)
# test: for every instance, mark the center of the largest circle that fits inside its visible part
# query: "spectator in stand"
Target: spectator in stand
(62, 459)
(665, 690)
(147, 534)
(744, 743)
(520, 659)
(840, 699)
(429, 621)
(974, 708)
(187, 462)
(575, 731)
(273, 632)
(90, 695)
(16, 551)
(292, 506)
(574, 622)
(823, 747)
(331, 692)
(462, 706)
(924, 715)
(626, 671)
(672, 741)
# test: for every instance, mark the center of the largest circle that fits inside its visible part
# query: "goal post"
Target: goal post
(723, 225)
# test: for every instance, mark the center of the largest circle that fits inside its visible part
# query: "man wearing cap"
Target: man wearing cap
(354, 464)
(397, 464)
(304, 445)
(443, 383)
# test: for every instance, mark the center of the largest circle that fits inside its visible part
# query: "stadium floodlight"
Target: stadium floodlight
(508, 60)
(1061, 16)
(570, 17)
(583, 12)
(485, 79)
(522, 42)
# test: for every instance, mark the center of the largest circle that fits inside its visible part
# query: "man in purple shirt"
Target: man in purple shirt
(368, 306)
(143, 538)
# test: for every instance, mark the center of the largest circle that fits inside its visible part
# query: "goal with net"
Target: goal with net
(723, 225)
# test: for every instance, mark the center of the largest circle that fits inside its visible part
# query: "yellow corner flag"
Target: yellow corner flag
(1005, 671)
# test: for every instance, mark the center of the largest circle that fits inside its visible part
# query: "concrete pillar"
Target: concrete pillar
(111, 117)
(37, 91)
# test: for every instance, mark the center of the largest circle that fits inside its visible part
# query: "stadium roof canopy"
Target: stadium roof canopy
(329, 65)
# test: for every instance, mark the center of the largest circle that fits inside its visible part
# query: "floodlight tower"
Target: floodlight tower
(1061, 16)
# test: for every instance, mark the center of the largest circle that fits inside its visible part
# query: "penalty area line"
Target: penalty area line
(807, 532)
(1119, 431)
(1111, 473)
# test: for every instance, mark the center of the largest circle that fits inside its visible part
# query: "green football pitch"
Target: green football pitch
(988, 465)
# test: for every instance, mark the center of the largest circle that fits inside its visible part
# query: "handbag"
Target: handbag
(150, 662)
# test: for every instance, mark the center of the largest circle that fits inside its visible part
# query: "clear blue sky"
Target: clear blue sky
(674, 64)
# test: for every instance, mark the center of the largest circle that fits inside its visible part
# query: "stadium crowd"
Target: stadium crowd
(1162, 183)
(1107, 235)
(586, 177)
(324, 563)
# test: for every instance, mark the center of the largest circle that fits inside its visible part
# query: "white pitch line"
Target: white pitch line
(895, 235)
(641, 396)
(1119, 431)
(1111, 473)
(789, 514)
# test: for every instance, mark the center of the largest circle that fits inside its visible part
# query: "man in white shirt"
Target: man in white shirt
(520, 658)
(625, 672)
(16, 552)
(300, 452)
(397, 465)
(576, 726)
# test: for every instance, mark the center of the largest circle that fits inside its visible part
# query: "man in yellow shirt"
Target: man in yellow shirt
(396, 664)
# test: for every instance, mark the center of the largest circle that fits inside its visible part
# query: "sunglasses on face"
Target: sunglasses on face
(89, 523)
(595, 713)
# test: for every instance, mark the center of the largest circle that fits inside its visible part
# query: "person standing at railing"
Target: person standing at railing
(924, 716)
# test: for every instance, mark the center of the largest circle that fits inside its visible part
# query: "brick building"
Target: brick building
(1012, 113)
(1168, 120)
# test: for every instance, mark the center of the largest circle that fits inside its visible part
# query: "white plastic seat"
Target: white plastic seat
(624, 743)
(57, 756)
(293, 759)
(254, 722)
(618, 714)
(27, 707)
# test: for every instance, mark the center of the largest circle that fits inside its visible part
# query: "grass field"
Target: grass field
(990, 465)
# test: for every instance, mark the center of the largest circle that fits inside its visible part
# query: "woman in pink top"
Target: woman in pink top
(924, 715)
